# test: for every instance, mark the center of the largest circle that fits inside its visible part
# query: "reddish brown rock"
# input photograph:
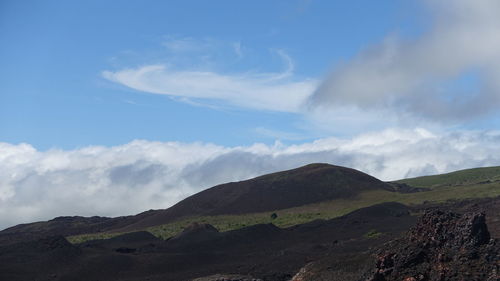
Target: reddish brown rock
(443, 246)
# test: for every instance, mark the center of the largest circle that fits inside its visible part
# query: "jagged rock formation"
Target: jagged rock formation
(443, 246)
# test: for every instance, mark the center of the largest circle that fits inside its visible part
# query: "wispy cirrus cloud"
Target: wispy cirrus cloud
(97, 180)
(258, 90)
(191, 72)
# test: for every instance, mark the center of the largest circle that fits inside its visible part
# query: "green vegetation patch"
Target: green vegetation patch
(75, 239)
(373, 233)
(463, 177)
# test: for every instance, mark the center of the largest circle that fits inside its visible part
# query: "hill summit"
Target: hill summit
(297, 187)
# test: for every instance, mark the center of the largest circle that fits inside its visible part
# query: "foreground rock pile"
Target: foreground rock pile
(442, 246)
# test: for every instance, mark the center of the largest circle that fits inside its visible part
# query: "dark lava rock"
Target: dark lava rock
(227, 277)
(134, 237)
(387, 209)
(338, 267)
(125, 250)
(41, 259)
(443, 246)
(54, 245)
(199, 227)
(195, 233)
(131, 241)
(196, 230)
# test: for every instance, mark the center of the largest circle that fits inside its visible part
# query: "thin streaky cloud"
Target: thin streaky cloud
(263, 91)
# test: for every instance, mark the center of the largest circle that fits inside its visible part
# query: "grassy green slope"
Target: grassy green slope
(462, 177)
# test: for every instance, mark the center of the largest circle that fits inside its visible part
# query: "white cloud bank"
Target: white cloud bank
(130, 178)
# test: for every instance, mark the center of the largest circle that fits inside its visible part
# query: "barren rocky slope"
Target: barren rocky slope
(442, 246)
(263, 251)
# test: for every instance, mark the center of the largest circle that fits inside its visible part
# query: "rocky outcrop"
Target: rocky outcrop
(338, 268)
(443, 246)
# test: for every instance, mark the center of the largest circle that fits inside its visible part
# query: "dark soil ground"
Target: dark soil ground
(262, 251)
(338, 249)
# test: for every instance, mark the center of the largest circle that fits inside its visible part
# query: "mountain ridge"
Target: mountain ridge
(102, 227)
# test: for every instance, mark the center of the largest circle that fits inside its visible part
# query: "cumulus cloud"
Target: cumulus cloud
(413, 75)
(264, 91)
(130, 178)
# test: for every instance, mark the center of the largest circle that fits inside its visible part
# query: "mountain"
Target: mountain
(329, 223)
(297, 187)
(292, 188)
(315, 191)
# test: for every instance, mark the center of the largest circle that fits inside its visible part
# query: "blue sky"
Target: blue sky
(53, 54)
(148, 102)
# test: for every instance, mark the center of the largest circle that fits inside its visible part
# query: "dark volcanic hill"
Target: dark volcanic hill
(297, 187)
(305, 185)
(64, 226)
